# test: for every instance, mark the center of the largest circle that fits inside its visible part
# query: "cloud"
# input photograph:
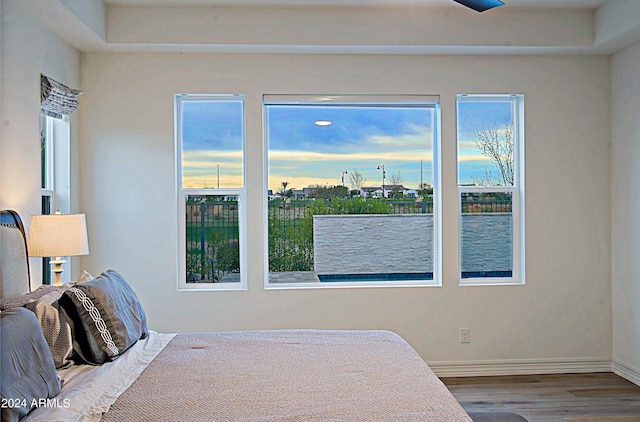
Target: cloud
(398, 153)
(292, 127)
(360, 138)
(210, 168)
(479, 158)
(211, 155)
(478, 115)
(212, 125)
(330, 158)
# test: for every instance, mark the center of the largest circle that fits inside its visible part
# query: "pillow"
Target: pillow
(43, 302)
(106, 317)
(22, 300)
(86, 276)
(55, 327)
(26, 365)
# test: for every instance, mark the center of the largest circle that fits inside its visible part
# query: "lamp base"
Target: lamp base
(57, 270)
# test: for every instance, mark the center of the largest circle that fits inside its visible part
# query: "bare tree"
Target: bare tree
(497, 145)
(356, 180)
(396, 179)
(488, 179)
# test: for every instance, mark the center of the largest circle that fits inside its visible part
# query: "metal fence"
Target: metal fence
(211, 240)
(212, 233)
(296, 209)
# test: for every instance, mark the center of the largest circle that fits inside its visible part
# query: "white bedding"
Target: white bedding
(78, 402)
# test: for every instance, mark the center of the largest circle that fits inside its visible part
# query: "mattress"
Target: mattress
(272, 375)
(299, 375)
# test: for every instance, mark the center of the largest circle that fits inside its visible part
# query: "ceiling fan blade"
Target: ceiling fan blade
(480, 5)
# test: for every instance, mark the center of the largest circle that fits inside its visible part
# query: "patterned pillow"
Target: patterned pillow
(55, 326)
(106, 317)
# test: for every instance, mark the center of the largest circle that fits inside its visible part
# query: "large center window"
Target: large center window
(352, 190)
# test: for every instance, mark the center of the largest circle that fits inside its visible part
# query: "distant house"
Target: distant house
(386, 190)
(364, 192)
(296, 194)
(299, 194)
(308, 192)
(411, 193)
(371, 192)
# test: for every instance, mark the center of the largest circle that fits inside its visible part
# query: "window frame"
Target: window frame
(182, 193)
(365, 100)
(56, 175)
(517, 190)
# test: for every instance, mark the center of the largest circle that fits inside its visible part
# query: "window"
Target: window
(211, 194)
(491, 188)
(55, 174)
(352, 191)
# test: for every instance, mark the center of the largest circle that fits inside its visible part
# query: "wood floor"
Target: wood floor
(595, 397)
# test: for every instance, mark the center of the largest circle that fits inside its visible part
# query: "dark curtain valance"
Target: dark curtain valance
(56, 99)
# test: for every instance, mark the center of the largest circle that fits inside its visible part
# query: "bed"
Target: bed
(82, 352)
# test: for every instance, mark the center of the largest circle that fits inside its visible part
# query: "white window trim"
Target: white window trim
(518, 276)
(364, 100)
(182, 193)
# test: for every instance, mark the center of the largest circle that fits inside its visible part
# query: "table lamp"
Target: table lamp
(57, 235)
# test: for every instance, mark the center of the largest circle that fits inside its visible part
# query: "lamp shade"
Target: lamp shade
(58, 235)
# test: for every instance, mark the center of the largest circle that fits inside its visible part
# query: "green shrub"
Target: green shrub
(291, 239)
(290, 247)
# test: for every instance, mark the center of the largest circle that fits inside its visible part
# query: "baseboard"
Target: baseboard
(626, 371)
(520, 367)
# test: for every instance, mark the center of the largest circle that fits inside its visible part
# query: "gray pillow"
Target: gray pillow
(106, 317)
(55, 327)
(22, 300)
(26, 365)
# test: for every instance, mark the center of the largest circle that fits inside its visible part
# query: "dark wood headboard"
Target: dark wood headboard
(14, 261)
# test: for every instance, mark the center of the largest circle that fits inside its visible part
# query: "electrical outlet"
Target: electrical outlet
(465, 335)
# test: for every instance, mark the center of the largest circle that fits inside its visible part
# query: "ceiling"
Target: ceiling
(438, 3)
(341, 26)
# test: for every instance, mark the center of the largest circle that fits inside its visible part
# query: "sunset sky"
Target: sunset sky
(303, 153)
(359, 138)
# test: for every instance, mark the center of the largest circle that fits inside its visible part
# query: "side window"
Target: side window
(352, 190)
(211, 191)
(55, 174)
(46, 171)
(491, 189)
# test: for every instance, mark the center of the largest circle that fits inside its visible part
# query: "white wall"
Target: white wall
(625, 203)
(125, 177)
(28, 50)
(562, 314)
